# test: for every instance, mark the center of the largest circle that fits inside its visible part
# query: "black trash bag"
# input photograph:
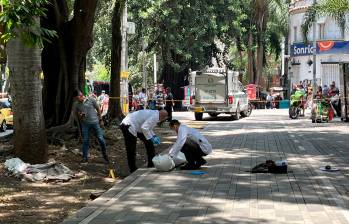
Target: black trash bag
(269, 167)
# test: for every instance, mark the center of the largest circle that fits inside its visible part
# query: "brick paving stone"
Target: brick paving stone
(229, 193)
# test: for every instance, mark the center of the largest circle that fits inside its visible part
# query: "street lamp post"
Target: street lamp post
(314, 55)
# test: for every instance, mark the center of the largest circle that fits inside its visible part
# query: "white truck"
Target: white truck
(218, 91)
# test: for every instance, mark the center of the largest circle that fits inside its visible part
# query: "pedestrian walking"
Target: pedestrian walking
(269, 99)
(140, 124)
(89, 115)
(191, 143)
(101, 97)
(169, 103)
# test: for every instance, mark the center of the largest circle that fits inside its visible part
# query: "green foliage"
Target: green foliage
(188, 33)
(181, 32)
(337, 9)
(21, 18)
(100, 72)
(277, 27)
(101, 50)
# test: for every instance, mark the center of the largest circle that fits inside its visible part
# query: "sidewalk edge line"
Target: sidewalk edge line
(115, 198)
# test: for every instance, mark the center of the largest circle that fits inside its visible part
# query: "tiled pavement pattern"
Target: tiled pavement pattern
(229, 194)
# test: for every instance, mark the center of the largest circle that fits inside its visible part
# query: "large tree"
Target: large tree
(64, 59)
(24, 35)
(114, 110)
(182, 33)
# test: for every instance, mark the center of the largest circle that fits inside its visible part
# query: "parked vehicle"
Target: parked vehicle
(296, 104)
(294, 111)
(256, 96)
(6, 114)
(216, 91)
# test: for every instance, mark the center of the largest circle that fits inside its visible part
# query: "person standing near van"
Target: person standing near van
(169, 103)
(269, 99)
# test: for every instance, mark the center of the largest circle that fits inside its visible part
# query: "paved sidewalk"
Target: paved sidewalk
(230, 194)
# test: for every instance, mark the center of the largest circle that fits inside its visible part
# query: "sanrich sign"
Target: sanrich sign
(323, 47)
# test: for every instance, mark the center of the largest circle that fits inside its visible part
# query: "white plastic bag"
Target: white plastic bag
(179, 159)
(16, 165)
(163, 162)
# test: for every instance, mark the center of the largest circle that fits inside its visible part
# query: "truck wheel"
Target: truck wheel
(198, 116)
(236, 116)
(213, 114)
(247, 112)
(3, 126)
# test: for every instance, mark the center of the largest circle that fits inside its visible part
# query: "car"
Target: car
(6, 114)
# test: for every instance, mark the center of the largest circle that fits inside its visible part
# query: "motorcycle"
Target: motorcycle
(295, 107)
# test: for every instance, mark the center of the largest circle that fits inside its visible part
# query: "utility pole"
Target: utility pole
(283, 56)
(155, 71)
(144, 72)
(124, 62)
(314, 55)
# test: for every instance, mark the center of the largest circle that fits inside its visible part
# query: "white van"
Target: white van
(218, 91)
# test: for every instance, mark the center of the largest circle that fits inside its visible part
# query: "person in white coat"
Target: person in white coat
(192, 143)
(140, 124)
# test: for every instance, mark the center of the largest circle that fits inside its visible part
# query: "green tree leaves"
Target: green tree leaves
(22, 18)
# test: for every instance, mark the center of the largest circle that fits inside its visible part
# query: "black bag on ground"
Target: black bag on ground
(269, 167)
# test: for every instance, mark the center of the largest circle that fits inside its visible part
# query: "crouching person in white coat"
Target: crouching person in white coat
(191, 143)
(140, 124)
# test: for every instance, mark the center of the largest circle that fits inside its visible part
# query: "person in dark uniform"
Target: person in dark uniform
(169, 103)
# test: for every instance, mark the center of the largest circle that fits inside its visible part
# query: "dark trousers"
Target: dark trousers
(193, 153)
(85, 136)
(169, 112)
(131, 143)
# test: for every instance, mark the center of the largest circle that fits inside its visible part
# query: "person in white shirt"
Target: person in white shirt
(142, 96)
(269, 99)
(140, 124)
(193, 144)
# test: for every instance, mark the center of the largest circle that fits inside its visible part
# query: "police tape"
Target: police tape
(251, 101)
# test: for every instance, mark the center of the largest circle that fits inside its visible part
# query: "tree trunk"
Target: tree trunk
(174, 80)
(29, 126)
(64, 59)
(250, 58)
(114, 110)
(260, 20)
(260, 58)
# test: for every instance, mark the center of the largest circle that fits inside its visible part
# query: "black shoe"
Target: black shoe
(202, 161)
(83, 161)
(190, 166)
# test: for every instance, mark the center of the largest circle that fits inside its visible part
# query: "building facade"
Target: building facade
(332, 47)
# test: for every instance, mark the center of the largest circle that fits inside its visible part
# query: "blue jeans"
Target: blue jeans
(99, 134)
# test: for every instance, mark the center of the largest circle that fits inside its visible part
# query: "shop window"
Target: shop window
(322, 31)
(295, 39)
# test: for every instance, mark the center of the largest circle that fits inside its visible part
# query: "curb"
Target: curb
(96, 207)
